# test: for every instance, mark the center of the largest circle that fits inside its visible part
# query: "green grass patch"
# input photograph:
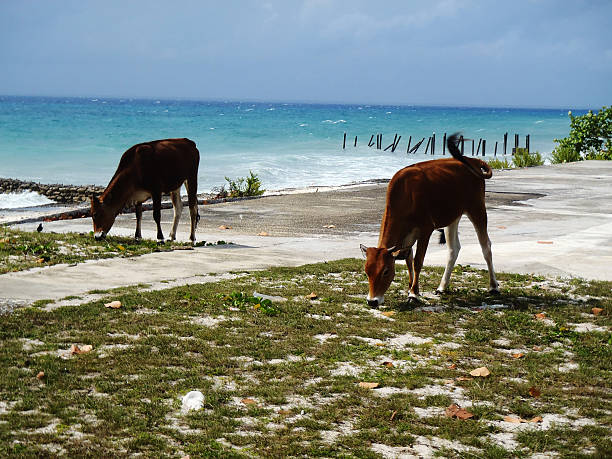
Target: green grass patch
(281, 378)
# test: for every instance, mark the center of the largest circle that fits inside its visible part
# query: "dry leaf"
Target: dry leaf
(536, 419)
(329, 226)
(388, 313)
(455, 411)
(513, 420)
(368, 385)
(545, 242)
(263, 233)
(452, 366)
(534, 392)
(481, 372)
(113, 304)
(388, 364)
(312, 296)
(463, 378)
(537, 348)
(40, 260)
(248, 401)
(393, 415)
(225, 227)
(40, 375)
(518, 355)
(74, 349)
(596, 311)
(540, 316)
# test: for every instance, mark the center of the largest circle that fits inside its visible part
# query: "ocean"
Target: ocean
(288, 145)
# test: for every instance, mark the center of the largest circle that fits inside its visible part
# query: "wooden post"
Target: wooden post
(427, 147)
(478, 150)
(505, 143)
(395, 144)
(355, 141)
(444, 145)
(417, 145)
(409, 140)
(516, 143)
(433, 143)
(371, 142)
(484, 146)
(527, 143)
(495, 154)
(344, 142)
(472, 147)
(462, 143)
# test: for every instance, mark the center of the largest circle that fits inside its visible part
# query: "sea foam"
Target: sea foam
(23, 199)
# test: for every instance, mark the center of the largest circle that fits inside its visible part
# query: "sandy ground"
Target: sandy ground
(554, 220)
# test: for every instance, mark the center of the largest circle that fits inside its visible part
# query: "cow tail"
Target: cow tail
(484, 172)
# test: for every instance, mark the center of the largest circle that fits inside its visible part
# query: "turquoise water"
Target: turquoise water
(80, 140)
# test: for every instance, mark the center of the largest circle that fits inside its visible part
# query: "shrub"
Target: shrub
(590, 136)
(249, 186)
(499, 164)
(565, 154)
(522, 158)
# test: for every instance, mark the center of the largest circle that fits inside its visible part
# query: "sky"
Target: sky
(532, 53)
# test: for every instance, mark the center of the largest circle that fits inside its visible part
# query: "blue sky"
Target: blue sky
(540, 53)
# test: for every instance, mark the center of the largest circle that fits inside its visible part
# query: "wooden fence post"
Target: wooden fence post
(355, 141)
(516, 143)
(395, 144)
(484, 146)
(505, 143)
(444, 145)
(495, 154)
(527, 143)
(462, 144)
(433, 143)
(344, 142)
(370, 143)
(478, 150)
(409, 140)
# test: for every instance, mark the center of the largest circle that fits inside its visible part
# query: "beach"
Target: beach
(542, 220)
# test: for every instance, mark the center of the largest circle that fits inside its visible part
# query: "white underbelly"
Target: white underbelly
(140, 196)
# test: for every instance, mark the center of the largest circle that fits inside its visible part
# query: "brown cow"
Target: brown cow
(146, 171)
(421, 198)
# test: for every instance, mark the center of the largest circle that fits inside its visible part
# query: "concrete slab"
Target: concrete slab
(554, 220)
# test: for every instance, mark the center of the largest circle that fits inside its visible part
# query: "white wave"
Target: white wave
(334, 122)
(271, 109)
(538, 122)
(21, 200)
(249, 109)
(303, 124)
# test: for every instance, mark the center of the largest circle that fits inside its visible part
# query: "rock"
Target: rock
(194, 400)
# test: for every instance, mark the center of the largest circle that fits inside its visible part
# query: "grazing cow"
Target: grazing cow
(421, 198)
(146, 171)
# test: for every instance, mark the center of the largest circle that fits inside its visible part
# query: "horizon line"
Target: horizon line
(302, 102)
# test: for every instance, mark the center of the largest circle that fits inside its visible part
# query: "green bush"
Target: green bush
(565, 154)
(499, 164)
(249, 186)
(590, 137)
(522, 158)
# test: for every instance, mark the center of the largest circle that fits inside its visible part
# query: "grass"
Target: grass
(282, 380)
(20, 250)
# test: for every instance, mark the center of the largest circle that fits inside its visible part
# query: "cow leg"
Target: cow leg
(422, 244)
(177, 204)
(156, 196)
(479, 220)
(138, 211)
(410, 265)
(451, 232)
(192, 195)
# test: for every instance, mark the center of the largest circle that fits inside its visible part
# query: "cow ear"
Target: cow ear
(364, 249)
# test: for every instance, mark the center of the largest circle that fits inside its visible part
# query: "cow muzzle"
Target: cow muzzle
(375, 302)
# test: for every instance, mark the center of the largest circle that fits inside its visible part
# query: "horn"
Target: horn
(392, 249)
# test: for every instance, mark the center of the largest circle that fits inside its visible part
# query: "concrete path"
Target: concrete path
(566, 231)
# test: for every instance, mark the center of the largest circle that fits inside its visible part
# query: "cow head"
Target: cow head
(380, 268)
(103, 217)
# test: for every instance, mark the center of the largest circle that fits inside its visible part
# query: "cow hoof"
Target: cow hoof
(414, 300)
(160, 242)
(494, 291)
(439, 292)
